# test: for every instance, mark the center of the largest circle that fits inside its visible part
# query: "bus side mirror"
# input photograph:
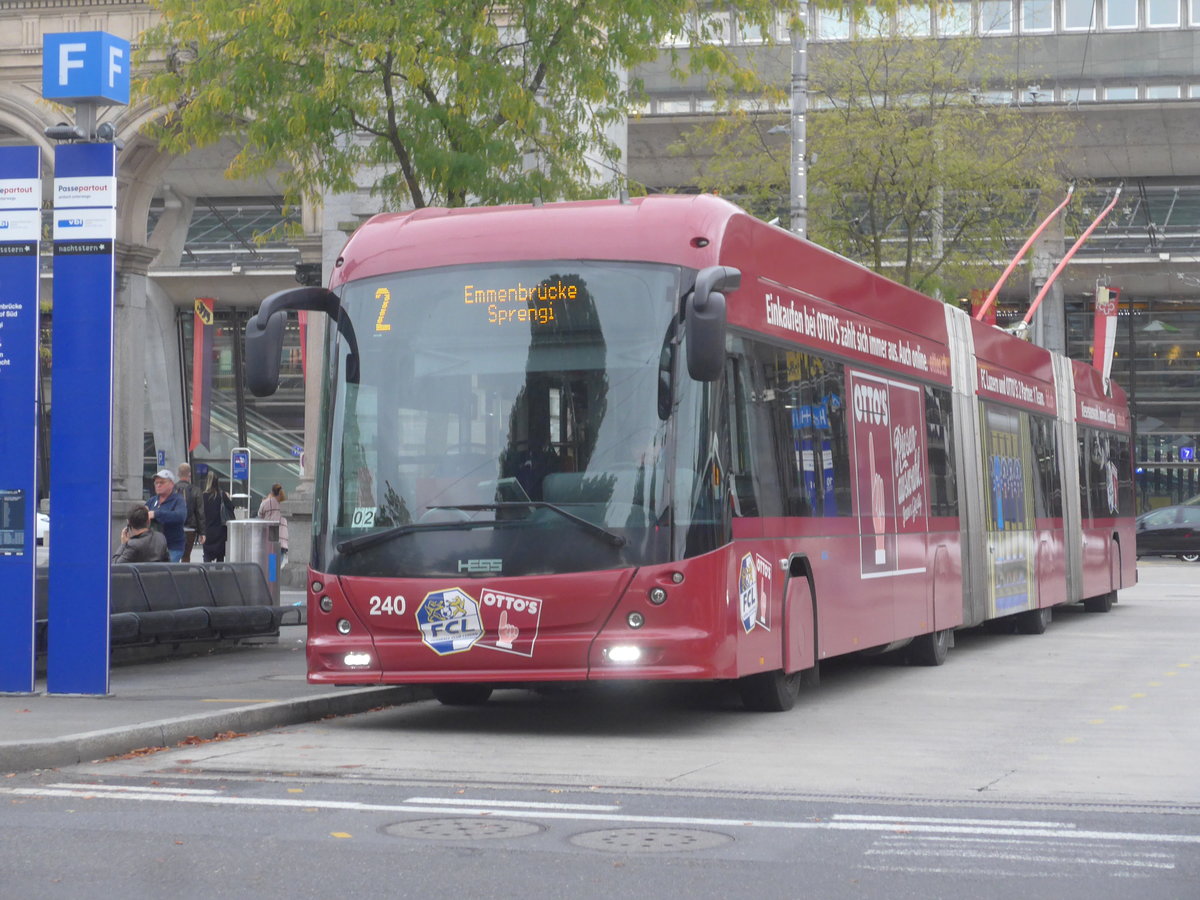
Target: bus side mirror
(264, 333)
(704, 315)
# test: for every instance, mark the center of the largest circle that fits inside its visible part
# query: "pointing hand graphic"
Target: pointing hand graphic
(507, 633)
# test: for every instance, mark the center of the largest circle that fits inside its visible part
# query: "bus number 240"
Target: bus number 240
(387, 606)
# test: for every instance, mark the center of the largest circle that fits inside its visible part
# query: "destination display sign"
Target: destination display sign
(500, 304)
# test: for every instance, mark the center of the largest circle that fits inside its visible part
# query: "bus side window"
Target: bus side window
(939, 441)
(742, 480)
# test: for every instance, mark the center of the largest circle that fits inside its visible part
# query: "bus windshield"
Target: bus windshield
(502, 419)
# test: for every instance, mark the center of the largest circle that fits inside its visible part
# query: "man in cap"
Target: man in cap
(168, 512)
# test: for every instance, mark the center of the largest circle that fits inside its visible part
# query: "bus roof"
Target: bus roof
(660, 228)
(693, 231)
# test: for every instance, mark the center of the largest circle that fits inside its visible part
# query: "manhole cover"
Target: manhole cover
(462, 829)
(649, 840)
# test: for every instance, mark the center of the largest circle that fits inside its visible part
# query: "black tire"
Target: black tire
(770, 691)
(1189, 557)
(462, 694)
(1101, 604)
(1033, 621)
(930, 649)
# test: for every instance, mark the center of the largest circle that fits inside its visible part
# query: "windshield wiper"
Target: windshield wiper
(590, 527)
(353, 545)
(362, 542)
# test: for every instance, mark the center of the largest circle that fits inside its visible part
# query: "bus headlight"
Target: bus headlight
(624, 653)
(343, 626)
(356, 659)
(658, 596)
(635, 620)
(326, 603)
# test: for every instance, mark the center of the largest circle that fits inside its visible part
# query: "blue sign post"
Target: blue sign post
(20, 233)
(81, 427)
(90, 69)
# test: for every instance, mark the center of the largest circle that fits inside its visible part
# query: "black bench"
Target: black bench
(172, 603)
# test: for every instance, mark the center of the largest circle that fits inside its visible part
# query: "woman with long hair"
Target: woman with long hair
(218, 509)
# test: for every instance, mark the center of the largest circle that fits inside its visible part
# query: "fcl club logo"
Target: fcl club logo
(748, 593)
(449, 621)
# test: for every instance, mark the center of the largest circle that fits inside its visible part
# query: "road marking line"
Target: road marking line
(1096, 846)
(462, 801)
(915, 826)
(123, 789)
(1024, 857)
(926, 820)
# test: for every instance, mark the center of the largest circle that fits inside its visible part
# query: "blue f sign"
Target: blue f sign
(89, 66)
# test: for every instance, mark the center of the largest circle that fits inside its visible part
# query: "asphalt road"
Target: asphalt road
(1058, 765)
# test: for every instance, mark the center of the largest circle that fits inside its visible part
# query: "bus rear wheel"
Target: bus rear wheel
(1101, 604)
(772, 691)
(462, 694)
(1034, 621)
(930, 649)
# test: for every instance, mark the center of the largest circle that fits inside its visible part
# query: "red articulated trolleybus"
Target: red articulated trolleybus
(660, 439)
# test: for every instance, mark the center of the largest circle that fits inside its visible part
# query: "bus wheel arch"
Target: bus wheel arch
(799, 570)
(1104, 602)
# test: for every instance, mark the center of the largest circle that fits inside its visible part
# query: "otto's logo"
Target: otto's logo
(449, 621)
(871, 404)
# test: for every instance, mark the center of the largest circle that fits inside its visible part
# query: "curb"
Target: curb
(93, 746)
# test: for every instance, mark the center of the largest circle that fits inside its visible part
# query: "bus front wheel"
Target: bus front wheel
(462, 694)
(772, 691)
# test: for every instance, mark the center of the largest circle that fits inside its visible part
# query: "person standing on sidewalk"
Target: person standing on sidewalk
(195, 526)
(272, 509)
(218, 509)
(168, 511)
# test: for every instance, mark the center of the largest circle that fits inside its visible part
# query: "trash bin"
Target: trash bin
(257, 541)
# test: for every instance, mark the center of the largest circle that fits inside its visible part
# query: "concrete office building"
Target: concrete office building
(1128, 69)
(1128, 74)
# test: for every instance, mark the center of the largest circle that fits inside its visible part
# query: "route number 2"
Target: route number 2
(386, 296)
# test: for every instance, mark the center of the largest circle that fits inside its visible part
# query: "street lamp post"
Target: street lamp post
(799, 96)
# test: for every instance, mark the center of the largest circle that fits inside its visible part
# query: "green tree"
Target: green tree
(452, 101)
(917, 169)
